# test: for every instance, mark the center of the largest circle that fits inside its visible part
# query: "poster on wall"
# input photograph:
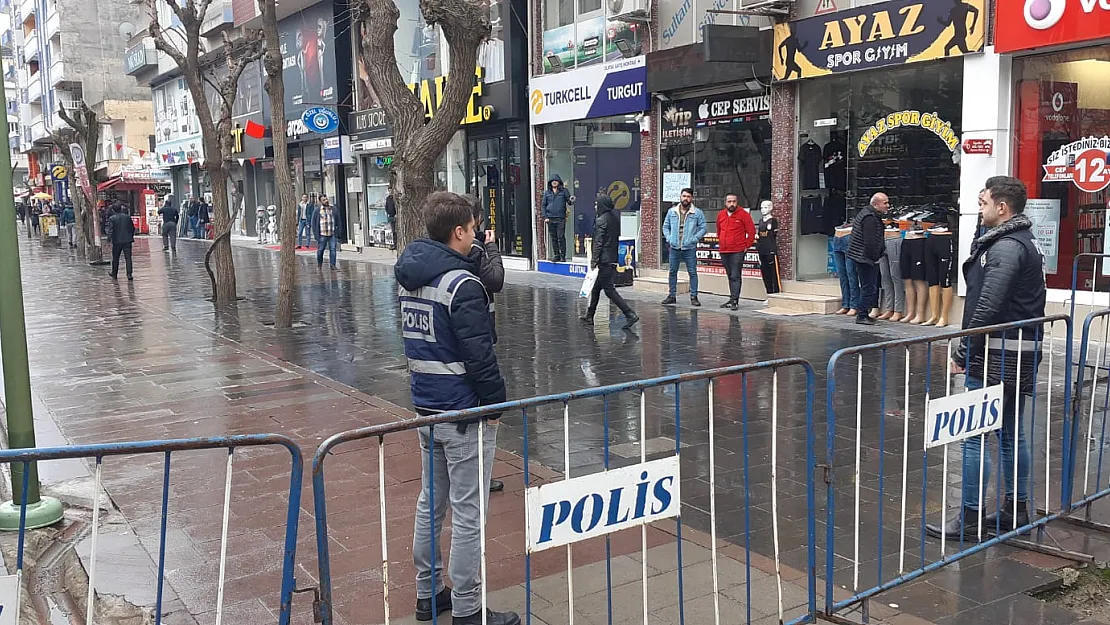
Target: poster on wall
(308, 56)
(1085, 163)
(681, 117)
(594, 41)
(673, 184)
(893, 33)
(709, 259)
(1045, 215)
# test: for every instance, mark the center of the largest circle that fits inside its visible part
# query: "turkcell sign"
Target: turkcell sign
(613, 88)
(956, 417)
(561, 513)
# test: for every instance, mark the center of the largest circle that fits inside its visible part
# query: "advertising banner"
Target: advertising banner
(613, 88)
(308, 58)
(891, 33)
(1028, 24)
(1045, 215)
(681, 117)
(1083, 163)
(709, 259)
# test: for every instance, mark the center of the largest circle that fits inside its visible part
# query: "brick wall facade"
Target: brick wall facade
(783, 132)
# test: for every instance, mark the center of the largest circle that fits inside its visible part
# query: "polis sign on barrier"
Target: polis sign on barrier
(561, 513)
(878, 35)
(956, 417)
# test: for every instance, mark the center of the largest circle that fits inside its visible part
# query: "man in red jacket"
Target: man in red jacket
(736, 232)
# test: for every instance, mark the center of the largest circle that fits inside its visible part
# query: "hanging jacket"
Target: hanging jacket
(555, 202)
(735, 232)
(866, 243)
(445, 324)
(1005, 282)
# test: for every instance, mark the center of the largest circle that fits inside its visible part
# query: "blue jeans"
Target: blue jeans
(840, 259)
(303, 229)
(328, 242)
(690, 258)
(193, 223)
(850, 271)
(972, 448)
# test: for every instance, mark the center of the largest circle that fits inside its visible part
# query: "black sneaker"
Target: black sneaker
(670, 301)
(496, 486)
(630, 320)
(865, 321)
(695, 302)
(735, 306)
(727, 304)
(492, 618)
(424, 606)
(587, 320)
(965, 523)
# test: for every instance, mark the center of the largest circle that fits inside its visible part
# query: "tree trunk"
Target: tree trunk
(412, 186)
(223, 266)
(287, 200)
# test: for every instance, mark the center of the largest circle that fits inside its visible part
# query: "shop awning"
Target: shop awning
(123, 184)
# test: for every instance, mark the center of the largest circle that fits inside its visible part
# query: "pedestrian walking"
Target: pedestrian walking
(186, 222)
(866, 246)
(69, 221)
(325, 227)
(605, 257)
(391, 216)
(193, 213)
(448, 339)
(735, 234)
(556, 211)
(683, 229)
(169, 215)
(203, 218)
(305, 208)
(1005, 283)
(121, 231)
(21, 212)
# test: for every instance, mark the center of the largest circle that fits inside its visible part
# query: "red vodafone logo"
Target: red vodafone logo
(1028, 24)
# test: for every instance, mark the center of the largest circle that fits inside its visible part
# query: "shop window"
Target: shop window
(894, 132)
(1063, 115)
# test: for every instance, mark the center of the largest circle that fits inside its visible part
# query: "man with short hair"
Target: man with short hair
(169, 215)
(1005, 283)
(866, 246)
(325, 227)
(683, 229)
(445, 323)
(305, 209)
(69, 219)
(122, 232)
(735, 234)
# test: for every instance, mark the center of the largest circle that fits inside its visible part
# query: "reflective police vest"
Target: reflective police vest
(435, 358)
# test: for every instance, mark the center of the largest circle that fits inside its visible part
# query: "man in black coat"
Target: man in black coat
(865, 247)
(122, 233)
(170, 214)
(607, 231)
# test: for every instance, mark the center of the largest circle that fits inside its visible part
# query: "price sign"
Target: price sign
(1091, 172)
(1084, 163)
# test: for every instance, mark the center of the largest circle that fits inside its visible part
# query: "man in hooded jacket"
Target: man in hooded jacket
(606, 245)
(556, 199)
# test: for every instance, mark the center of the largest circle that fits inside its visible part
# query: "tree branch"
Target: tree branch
(158, 34)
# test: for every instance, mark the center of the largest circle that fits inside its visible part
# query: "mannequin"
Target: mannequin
(914, 278)
(941, 267)
(260, 223)
(767, 244)
(894, 291)
(849, 287)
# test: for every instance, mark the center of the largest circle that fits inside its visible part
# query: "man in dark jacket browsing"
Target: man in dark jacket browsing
(865, 247)
(1005, 283)
(556, 199)
(122, 233)
(445, 324)
(606, 243)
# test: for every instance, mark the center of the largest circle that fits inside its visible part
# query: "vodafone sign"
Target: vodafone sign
(1027, 24)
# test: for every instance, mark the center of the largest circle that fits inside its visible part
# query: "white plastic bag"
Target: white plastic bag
(588, 283)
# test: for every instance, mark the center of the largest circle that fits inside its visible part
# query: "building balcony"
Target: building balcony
(57, 73)
(53, 24)
(34, 89)
(38, 130)
(31, 47)
(26, 8)
(219, 16)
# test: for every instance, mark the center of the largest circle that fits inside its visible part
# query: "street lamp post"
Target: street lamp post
(41, 511)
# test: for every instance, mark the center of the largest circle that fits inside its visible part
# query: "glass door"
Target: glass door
(487, 172)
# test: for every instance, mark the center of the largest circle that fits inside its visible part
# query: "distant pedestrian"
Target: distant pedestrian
(36, 213)
(204, 217)
(122, 233)
(69, 220)
(391, 216)
(170, 215)
(735, 234)
(21, 212)
(183, 213)
(556, 210)
(453, 366)
(325, 227)
(683, 229)
(305, 209)
(605, 257)
(865, 247)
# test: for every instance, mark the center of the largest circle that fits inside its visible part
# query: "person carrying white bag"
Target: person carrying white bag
(604, 260)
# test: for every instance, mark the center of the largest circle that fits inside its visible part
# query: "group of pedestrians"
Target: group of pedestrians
(317, 218)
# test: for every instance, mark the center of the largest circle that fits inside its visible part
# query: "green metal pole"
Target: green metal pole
(13, 354)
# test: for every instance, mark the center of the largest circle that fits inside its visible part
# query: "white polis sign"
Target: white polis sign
(956, 417)
(561, 513)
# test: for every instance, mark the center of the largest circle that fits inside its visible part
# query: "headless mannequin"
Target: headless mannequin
(893, 314)
(940, 297)
(917, 291)
(841, 232)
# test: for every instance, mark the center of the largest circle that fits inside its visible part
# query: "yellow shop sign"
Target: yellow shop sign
(928, 121)
(430, 92)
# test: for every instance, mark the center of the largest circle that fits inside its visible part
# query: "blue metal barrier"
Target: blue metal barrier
(867, 473)
(1081, 413)
(723, 400)
(98, 452)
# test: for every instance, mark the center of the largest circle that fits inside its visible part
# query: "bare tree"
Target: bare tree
(275, 86)
(418, 145)
(215, 121)
(84, 130)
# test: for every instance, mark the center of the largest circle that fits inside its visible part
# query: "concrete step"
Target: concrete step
(801, 303)
(655, 284)
(829, 287)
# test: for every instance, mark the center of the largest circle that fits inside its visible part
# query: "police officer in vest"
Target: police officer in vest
(1005, 283)
(445, 321)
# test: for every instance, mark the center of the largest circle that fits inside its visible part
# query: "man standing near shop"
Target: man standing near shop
(169, 215)
(865, 247)
(121, 230)
(304, 221)
(1005, 283)
(325, 227)
(735, 234)
(556, 203)
(682, 230)
(68, 221)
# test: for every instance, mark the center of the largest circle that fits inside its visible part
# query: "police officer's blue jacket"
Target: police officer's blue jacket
(445, 323)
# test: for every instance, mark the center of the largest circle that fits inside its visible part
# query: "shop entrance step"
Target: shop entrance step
(656, 284)
(803, 303)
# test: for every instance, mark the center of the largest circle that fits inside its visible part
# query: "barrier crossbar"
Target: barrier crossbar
(881, 448)
(23, 463)
(719, 419)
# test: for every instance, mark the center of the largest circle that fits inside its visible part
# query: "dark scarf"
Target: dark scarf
(1014, 224)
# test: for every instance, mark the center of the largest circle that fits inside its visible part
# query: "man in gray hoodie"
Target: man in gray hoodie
(556, 200)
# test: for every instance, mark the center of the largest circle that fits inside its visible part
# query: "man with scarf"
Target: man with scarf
(1005, 283)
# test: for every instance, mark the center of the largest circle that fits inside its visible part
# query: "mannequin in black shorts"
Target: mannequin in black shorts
(940, 268)
(914, 253)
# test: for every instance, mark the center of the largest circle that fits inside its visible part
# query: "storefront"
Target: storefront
(861, 130)
(591, 119)
(139, 189)
(177, 139)
(1059, 61)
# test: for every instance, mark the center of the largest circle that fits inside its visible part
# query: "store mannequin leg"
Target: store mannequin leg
(934, 306)
(921, 302)
(911, 300)
(887, 289)
(946, 296)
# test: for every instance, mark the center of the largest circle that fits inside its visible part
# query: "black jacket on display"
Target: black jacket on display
(1005, 283)
(607, 233)
(866, 244)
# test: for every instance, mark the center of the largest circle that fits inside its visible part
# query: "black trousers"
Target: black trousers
(734, 263)
(868, 289)
(117, 249)
(605, 275)
(769, 267)
(557, 232)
